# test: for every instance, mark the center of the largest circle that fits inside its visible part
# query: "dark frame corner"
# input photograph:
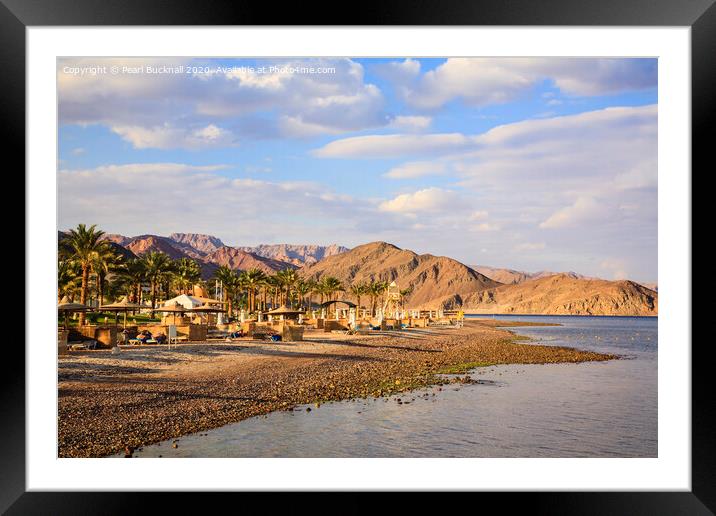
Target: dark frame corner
(700, 15)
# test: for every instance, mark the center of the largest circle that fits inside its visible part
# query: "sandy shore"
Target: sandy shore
(108, 403)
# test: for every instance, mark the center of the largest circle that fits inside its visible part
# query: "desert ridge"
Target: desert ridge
(562, 294)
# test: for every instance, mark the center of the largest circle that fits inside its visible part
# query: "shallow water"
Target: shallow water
(600, 409)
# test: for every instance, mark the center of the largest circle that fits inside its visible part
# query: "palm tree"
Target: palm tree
(358, 290)
(156, 266)
(68, 278)
(403, 294)
(104, 262)
(376, 290)
(187, 273)
(133, 274)
(252, 280)
(83, 244)
(331, 286)
(273, 286)
(230, 281)
(288, 279)
(303, 288)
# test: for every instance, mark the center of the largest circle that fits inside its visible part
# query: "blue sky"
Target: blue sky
(525, 163)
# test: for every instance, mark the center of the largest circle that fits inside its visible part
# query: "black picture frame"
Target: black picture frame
(17, 15)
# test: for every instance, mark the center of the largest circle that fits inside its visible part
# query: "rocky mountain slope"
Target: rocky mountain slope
(434, 280)
(506, 276)
(145, 243)
(237, 259)
(509, 276)
(562, 294)
(209, 251)
(295, 253)
(202, 243)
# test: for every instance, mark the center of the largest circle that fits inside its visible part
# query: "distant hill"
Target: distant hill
(143, 244)
(296, 254)
(563, 294)
(237, 259)
(203, 243)
(209, 251)
(509, 276)
(506, 276)
(434, 280)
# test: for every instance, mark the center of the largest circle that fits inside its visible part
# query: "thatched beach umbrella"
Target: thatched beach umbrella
(285, 311)
(122, 306)
(206, 309)
(173, 308)
(66, 306)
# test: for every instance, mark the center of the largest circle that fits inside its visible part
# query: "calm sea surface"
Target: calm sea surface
(605, 409)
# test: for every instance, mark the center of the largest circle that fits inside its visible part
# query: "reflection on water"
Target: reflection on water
(602, 409)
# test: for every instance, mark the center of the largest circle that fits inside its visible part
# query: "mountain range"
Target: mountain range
(562, 294)
(431, 281)
(510, 276)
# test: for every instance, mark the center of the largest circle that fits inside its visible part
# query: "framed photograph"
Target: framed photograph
(320, 257)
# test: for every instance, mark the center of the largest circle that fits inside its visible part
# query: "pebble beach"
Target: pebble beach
(109, 404)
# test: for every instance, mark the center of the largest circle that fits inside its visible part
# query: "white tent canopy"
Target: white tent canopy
(190, 302)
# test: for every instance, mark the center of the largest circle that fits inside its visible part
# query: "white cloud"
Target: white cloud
(410, 123)
(165, 197)
(395, 145)
(484, 227)
(642, 175)
(615, 267)
(170, 137)
(530, 246)
(152, 110)
(428, 200)
(478, 215)
(483, 81)
(584, 209)
(416, 169)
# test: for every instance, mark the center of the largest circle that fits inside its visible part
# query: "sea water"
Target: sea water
(591, 409)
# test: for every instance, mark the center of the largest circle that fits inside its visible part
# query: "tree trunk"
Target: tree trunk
(83, 291)
(100, 289)
(153, 297)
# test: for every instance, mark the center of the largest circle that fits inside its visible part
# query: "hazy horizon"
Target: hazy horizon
(528, 164)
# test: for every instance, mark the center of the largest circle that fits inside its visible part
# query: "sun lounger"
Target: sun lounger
(79, 346)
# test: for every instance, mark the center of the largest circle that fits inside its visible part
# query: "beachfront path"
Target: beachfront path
(109, 403)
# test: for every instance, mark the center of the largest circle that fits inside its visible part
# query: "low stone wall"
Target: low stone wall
(193, 332)
(393, 324)
(62, 341)
(421, 322)
(196, 332)
(292, 333)
(248, 328)
(105, 335)
(331, 325)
